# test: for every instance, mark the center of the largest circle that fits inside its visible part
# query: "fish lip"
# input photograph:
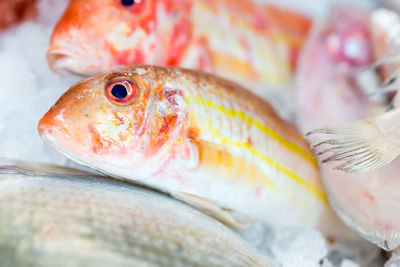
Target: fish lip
(62, 61)
(52, 141)
(63, 57)
(54, 57)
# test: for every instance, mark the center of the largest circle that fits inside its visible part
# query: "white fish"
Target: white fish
(54, 216)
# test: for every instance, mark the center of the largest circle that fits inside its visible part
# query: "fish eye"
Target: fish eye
(128, 2)
(121, 91)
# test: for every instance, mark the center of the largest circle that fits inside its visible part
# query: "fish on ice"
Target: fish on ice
(198, 137)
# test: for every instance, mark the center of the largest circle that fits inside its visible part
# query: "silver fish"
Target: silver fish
(56, 216)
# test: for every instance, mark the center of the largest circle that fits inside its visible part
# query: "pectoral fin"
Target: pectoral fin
(212, 209)
(363, 145)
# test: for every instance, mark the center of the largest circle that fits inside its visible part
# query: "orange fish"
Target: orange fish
(203, 139)
(250, 43)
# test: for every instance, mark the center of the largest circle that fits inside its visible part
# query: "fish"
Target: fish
(58, 216)
(367, 202)
(238, 39)
(364, 145)
(338, 49)
(198, 137)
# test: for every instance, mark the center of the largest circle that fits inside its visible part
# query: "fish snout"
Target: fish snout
(47, 123)
(62, 61)
(57, 60)
(65, 57)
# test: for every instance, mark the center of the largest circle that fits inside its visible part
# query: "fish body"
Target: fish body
(367, 203)
(240, 40)
(194, 135)
(55, 216)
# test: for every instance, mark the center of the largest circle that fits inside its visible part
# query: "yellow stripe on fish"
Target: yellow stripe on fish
(263, 128)
(245, 145)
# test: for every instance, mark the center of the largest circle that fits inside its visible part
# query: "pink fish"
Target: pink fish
(337, 50)
(367, 203)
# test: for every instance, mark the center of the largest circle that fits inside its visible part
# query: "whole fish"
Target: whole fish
(203, 139)
(367, 203)
(238, 39)
(54, 216)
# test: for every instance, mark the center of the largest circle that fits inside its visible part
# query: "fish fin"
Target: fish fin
(212, 209)
(390, 106)
(360, 146)
(396, 101)
(388, 86)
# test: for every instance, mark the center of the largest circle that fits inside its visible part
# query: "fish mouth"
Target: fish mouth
(58, 60)
(62, 62)
(63, 57)
(51, 137)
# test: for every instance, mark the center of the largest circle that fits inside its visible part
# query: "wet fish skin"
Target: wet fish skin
(56, 216)
(203, 139)
(239, 39)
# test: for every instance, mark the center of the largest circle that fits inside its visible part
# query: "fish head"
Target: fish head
(337, 51)
(96, 36)
(126, 122)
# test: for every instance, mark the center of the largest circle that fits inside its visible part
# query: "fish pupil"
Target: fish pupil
(119, 91)
(127, 2)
